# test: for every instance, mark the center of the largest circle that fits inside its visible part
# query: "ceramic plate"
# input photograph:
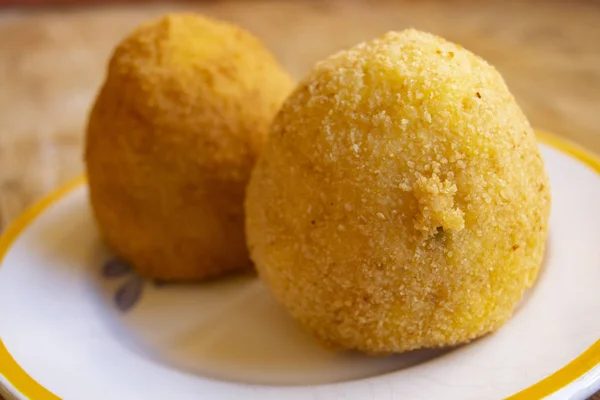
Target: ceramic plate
(77, 323)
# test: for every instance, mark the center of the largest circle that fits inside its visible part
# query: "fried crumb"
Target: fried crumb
(176, 128)
(428, 234)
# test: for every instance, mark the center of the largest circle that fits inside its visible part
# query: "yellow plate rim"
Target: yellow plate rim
(30, 388)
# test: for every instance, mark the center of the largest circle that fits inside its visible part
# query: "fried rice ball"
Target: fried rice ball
(174, 132)
(401, 202)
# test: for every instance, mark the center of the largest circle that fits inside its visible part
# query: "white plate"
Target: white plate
(68, 328)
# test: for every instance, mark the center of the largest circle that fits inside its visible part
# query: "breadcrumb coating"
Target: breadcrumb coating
(401, 201)
(174, 132)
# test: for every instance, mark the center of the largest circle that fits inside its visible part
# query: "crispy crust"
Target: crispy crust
(171, 139)
(401, 201)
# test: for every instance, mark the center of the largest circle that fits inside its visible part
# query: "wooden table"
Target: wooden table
(53, 60)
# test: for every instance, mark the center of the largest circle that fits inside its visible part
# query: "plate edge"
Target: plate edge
(26, 386)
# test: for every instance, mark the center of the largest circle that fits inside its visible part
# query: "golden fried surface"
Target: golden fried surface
(401, 201)
(172, 137)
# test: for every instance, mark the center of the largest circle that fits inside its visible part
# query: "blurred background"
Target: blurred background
(53, 55)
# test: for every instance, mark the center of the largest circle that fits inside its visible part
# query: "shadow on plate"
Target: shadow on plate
(228, 329)
(231, 329)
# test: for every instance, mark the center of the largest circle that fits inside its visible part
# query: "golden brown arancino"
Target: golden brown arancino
(401, 201)
(171, 139)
